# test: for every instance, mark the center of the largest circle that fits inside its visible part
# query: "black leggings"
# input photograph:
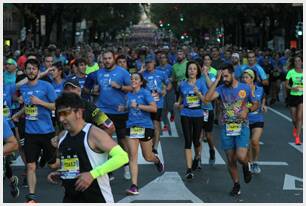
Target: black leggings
(192, 127)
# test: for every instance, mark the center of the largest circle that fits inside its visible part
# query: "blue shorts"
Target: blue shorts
(234, 142)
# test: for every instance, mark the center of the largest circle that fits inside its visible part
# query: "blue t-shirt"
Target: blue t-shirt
(167, 70)
(257, 116)
(191, 102)
(256, 68)
(7, 131)
(81, 81)
(8, 91)
(110, 98)
(9, 78)
(139, 117)
(207, 106)
(38, 118)
(58, 88)
(155, 81)
(234, 100)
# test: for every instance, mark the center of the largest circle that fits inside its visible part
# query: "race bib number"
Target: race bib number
(6, 112)
(193, 101)
(233, 129)
(70, 168)
(137, 132)
(31, 112)
(206, 115)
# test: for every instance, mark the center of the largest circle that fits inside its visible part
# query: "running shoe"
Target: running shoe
(297, 140)
(195, 164)
(212, 157)
(133, 190)
(166, 128)
(159, 165)
(14, 187)
(127, 174)
(255, 169)
(189, 175)
(31, 198)
(172, 117)
(236, 190)
(247, 173)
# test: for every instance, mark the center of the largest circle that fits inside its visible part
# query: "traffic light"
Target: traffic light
(161, 23)
(181, 18)
(299, 29)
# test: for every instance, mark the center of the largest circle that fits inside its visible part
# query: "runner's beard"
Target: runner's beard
(228, 83)
(109, 67)
(32, 79)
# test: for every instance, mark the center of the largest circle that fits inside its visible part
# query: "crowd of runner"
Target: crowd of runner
(62, 107)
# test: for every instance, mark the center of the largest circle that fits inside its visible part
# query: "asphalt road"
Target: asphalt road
(281, 179)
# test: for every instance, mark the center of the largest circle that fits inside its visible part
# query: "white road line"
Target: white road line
(297, 147)
(169, 186)
(289, 182)
(268, 163)
(280, 114)
(142, 161)
(205, 155)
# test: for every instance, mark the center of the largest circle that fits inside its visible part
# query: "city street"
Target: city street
(281, 179)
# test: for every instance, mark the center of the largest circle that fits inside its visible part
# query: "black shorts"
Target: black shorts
(256, 125)
(34, 143)
(149, 134)
(208, 126)
(294, 101)
(119, 121)
(157, 115)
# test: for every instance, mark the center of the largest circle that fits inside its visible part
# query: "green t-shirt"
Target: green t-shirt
(297, 81)
(179, 71)
(93, 68)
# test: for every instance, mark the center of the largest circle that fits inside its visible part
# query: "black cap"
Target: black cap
(72, 82)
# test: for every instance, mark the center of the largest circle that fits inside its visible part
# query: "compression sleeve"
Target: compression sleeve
(118, 158)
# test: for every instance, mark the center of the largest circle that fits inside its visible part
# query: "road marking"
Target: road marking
(280, 114)
(169, 186)
(18, 162)
(205, 155)
(142, 161)
(172, 128)
(268, 163)
(297, 147)
(289, 182)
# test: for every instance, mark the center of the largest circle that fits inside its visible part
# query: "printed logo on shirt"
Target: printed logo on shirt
(242, 94)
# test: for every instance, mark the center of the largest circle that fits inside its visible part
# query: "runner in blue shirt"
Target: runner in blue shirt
(235, 131)
(256, 119)
(114, 82)
(155, 80)
(38, 97)
(192, 93)
(170, 96)
(140, 130)
(262, 78)
(10, 145)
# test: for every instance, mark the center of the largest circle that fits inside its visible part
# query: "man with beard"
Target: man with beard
(83, 153)
(114, 82)
(38, 97)
(179, 70)
(235, 132)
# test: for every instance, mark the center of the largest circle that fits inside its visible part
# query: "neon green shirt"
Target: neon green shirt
(297, 80)
(179, 71)
(90, 69)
